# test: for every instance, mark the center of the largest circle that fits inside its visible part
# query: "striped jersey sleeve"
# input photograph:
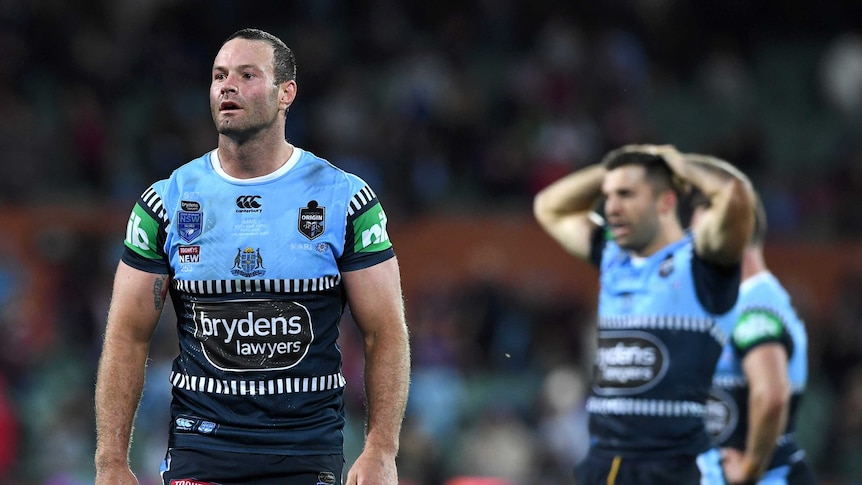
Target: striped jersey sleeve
(366, 239)
(146, 233)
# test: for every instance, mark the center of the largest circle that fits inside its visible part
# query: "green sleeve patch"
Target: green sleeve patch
(755, 326)
(142, 233)
(369, 231)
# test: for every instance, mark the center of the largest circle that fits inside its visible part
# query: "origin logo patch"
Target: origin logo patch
(312, 220)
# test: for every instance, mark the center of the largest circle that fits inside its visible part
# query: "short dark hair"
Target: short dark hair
(284, 62)
(658, 173)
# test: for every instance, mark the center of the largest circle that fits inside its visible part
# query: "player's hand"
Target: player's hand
(373, 468)
(674, 159)
(115, 475)
(738, 470)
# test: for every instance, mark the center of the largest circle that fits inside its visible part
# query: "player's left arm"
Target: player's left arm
(376, 304)
(724, 227)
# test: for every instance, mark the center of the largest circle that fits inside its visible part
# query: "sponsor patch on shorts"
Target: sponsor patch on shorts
(325, 478)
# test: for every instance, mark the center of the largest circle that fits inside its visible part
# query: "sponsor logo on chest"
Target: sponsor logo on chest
(629, 362)
(248, 335)
(722, 415)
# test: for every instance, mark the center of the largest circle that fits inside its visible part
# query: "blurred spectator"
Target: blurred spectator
(841, 74)
(9, 433)
(844, 460)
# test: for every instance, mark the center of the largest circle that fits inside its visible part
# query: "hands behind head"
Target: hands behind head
(717, 164)
(675, 160)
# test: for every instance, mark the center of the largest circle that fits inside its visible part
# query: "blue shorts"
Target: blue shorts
(703, 469)
(186, 466)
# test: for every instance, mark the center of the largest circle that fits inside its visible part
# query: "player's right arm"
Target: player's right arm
(139, 294)
(765, 346)
(136, 304)
(563, 209)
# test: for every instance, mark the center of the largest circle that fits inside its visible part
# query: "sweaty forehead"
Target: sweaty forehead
(244, 52)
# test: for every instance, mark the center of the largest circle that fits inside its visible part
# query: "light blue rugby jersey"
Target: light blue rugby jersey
(765, 314)
(658, 344)
(255, 267)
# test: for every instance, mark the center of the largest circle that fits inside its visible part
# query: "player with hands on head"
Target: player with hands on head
(762, 372)
(666, 296)
(261, 246)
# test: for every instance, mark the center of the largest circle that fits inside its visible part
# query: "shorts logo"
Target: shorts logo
(312, 220)
(325, 478)
(190, 225)
(206, 427)
(251, 335)
(248, 263)
(628, 362)
(185, 424)
(189, 424)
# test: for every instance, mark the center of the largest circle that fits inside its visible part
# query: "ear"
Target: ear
(286, 94)
(667, 202)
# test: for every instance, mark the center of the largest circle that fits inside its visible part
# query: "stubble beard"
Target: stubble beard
(241, 130)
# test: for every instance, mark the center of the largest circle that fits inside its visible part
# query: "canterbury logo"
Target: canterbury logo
(248, 202)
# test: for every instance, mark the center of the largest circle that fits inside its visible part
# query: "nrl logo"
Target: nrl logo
(311, 221)
(666, 267)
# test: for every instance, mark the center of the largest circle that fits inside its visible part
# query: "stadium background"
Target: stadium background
(456, 112)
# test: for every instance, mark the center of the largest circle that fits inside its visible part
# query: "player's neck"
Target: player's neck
(753, 262)
(667, 235)
(253, 157)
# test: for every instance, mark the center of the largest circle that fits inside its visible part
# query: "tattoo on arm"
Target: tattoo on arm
(158, 292)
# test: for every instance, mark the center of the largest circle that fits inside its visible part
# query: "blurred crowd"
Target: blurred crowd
(444, 108)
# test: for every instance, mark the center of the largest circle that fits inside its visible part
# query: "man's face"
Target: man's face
(631, 207)
(243, 95)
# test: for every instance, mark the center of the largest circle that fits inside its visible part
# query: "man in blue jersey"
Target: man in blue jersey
(760, 376)
(260, 245)
(665, 307)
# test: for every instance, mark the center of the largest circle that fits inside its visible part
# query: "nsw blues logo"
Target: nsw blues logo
(190, 225)
(248, 263)
(312, 220)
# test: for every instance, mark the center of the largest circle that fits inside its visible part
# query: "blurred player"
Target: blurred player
(665, 307)
(260, 244)
(761, 375)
